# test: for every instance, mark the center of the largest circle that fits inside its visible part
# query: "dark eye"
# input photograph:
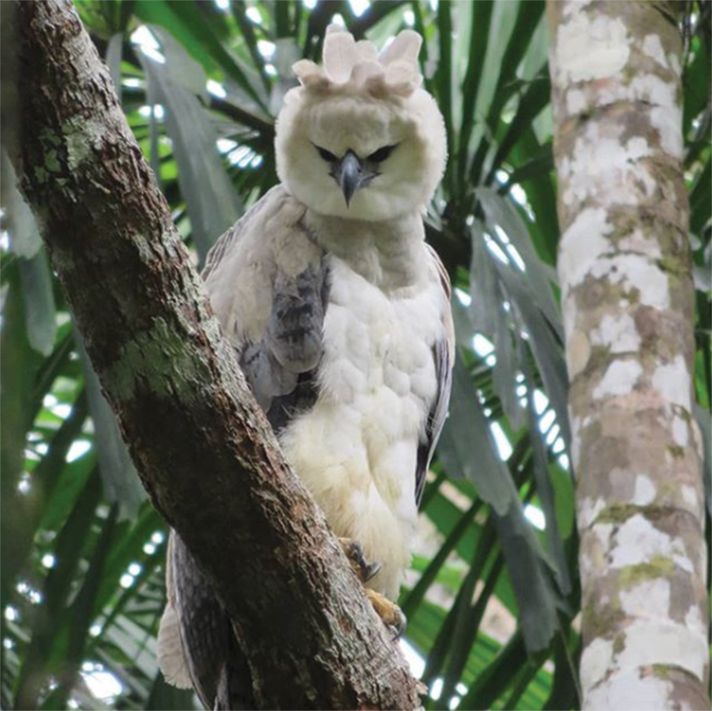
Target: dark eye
(381, 154)
(329, 157)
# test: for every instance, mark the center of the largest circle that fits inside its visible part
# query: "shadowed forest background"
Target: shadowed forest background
(492, 598)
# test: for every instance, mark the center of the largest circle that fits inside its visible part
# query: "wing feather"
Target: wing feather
(444, 358)
(171, 655)
(268, 287)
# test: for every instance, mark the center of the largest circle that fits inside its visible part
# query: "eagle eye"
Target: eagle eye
(381, 154)
(328, 157)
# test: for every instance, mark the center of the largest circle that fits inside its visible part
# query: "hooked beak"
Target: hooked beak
(350, 175)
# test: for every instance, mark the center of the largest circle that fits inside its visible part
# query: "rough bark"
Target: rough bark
(204, 450)
(627, 296)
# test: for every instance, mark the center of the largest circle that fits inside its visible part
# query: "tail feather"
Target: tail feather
(171, 659)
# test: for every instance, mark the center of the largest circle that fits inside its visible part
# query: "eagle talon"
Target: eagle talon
(388, 611)
(364, 569)
(370, 570)
(400, 627)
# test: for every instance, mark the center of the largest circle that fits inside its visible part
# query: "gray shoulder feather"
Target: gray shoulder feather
(267, 283)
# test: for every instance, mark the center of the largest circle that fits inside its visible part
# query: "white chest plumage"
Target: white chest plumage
(356, 448)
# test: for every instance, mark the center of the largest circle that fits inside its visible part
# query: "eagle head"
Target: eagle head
(359, 138)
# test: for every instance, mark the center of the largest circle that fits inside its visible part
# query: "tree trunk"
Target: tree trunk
(205, 451)
(627, 296)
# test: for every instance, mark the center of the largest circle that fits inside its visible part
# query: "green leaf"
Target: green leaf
(414, 598)
(443, 80)
(35, 275)
(521, 681)
(565, 689)
(468, 624)
(135, 644)
(486, 306)
(544, 487)
(18, 367)
(704, 422)
(505, 374)
(445, 514)
(536, 597)
(286, 53)
(377, 18)
(467, 448)
(52, 367)
(449, 576)
(213, 205)
(501, 213)
(83, 608)
(190, 28)
(40, 310)
(47, 475)
(540, 196)
(121, 483)
(546, 347)
(423, 628)
(528, 15)
(239, 11)
(701, 199)
(20, 221)
(126, 550)
(534, 168)
(70, 483)
(495, 679)
(481, 14)
(534, 100)
(47, 648)
(696, 82)
(564, 497)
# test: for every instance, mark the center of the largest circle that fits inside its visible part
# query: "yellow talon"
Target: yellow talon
(388, 611)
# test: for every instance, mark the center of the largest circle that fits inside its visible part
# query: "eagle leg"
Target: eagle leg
(364, 569)
(388, 611)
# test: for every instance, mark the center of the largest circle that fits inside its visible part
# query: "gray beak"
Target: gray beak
(350, 175)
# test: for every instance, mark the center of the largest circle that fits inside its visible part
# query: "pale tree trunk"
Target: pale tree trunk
(627, 297)
(204, 450)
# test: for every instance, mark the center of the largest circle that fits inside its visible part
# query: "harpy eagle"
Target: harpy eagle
(339, 314)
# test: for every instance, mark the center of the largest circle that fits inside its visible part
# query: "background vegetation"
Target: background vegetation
(492, 597)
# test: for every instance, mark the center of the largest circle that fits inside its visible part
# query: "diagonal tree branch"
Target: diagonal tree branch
(204, 450)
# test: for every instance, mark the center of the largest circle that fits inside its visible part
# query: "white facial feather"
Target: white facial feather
(362, 103)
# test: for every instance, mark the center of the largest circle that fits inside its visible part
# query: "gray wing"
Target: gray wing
(277, 327)
(444, 358)
(218, 670)
(281, 366)
(268, 287)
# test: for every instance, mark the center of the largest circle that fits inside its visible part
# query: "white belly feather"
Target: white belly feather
(356, 448)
